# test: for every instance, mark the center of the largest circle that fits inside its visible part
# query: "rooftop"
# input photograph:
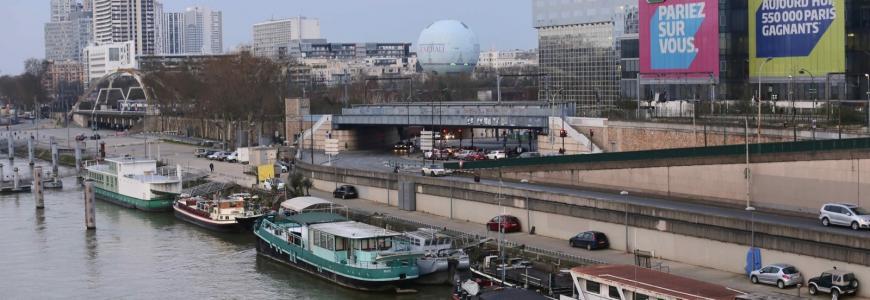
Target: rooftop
(314, 218)
(633, 278)
(301, 203)
(354, 230)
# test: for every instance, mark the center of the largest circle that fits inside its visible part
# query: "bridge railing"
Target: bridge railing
(740, 149)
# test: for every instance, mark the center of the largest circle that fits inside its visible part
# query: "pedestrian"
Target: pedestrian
(211, 167)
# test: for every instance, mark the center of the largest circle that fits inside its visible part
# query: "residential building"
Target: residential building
(63, 81)
(335, 63)
(174, 63)
(117, 21)
(273, 38)
(495, 59)
(66, 35)
(61, 9)
(203, 31)
(104, 59)
(171, 33)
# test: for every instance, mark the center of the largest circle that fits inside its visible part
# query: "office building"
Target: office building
(171, 33)
(498, 60)
(67, 34)
(118, 21)
(273, 38)
(578, 51)
(63, 81)
(203, 31)
(104, 59)
(335, 63)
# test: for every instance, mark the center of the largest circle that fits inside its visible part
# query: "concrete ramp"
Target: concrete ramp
(575, 142)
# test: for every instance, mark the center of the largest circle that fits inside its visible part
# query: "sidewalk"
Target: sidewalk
(731, 280)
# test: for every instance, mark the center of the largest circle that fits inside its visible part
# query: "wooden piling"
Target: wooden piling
(37, 188)
(90, 207)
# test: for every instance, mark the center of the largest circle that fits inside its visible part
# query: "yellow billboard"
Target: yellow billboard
(787, 36)
(265, 172)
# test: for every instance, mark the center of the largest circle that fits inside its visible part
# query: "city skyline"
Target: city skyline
(492, 20)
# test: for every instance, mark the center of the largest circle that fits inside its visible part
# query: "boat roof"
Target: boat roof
(633, 277)
(301, 203)
(425, 233)
(314, 218)
(354, 230)
(129, 160)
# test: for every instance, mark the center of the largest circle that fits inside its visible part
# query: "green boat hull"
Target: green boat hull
(154, 204)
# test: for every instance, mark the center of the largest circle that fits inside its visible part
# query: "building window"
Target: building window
(593, 287)
(638, 296)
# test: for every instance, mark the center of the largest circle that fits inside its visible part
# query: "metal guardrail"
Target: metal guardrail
(768, 148)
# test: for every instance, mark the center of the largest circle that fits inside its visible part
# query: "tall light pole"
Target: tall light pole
(868, 100)
(814, 90)
(760, 68)
(624, 195)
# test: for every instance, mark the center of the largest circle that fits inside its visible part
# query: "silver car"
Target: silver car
(781, 275)
(844, 215)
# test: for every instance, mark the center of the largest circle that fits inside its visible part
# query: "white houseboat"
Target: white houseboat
(135, 183)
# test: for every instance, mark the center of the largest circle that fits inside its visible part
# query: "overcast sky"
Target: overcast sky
(500, 24)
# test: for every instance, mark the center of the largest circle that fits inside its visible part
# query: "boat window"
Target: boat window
(316, 235)
(340, 244)
(385, 243)
(640, 297)
(593, 287)
(613, 292)
(330, 244)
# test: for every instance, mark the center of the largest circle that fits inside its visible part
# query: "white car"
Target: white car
(496, 154)
(463, 155)
(233, 157)
(435, 170)
(269, 183)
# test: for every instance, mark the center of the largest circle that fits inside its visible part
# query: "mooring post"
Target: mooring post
(30, 149)
(55, 156)
(79, 158)
(2, 176)
(90, 208)
(37, 188)
(10, 143)
(15, 184)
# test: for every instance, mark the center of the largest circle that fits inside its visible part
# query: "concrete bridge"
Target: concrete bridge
(504, 115)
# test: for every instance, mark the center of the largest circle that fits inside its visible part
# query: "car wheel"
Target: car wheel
(826, 222)
(432, 173)
(572, 244)
(813, 290)
(780, 284)
(855, 226)
(589, 247)
(423, 173)
(754, 279)
(835, 294)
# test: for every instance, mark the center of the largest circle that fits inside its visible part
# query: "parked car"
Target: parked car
(208, 153)
(475, 156)
(283, 166)
(436, 154)
(273, 182)
(508, 223)
(834, 282)
(219, 155)
(591, 240)
(464, 154)
(434, 170)
(81, 137)
(496, 154)
(345, 192)
(199, 152)
(232, 157)
(95, 136)
(844, 215)
(781, 275)
(529, 155)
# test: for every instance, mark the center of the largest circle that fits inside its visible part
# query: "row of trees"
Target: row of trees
(25, 90)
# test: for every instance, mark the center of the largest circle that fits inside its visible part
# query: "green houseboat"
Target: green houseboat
(135, 183)
(352, 254)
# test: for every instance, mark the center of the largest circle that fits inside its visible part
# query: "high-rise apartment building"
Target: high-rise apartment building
(273, 38)
(68, 32)
(171, 33)
(126, 20)
(203, 31)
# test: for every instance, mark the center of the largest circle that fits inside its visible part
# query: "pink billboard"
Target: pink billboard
(679, 38)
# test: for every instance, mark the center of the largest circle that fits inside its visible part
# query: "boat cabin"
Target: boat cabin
(624, 282)
(306, 204)
(428, 240)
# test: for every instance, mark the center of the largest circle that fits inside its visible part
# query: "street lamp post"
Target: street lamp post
(814, 90)
(751, 211)
(760, 68)
(624, 195)
(868, 100)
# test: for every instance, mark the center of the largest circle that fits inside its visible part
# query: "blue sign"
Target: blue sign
(792, 28)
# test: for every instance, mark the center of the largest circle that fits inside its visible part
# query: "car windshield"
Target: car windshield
(860, 211)
(789, 270)
(848, 277)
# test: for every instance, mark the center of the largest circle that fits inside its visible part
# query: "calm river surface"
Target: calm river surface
(137, 255)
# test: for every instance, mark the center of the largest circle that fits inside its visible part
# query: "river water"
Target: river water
(48, 254)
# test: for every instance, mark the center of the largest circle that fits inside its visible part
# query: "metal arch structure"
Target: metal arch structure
(136, 74)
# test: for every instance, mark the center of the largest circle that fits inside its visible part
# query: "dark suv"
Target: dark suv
(834, 282)
(345, 192)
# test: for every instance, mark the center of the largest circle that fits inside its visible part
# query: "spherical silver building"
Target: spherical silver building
(448, 47)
